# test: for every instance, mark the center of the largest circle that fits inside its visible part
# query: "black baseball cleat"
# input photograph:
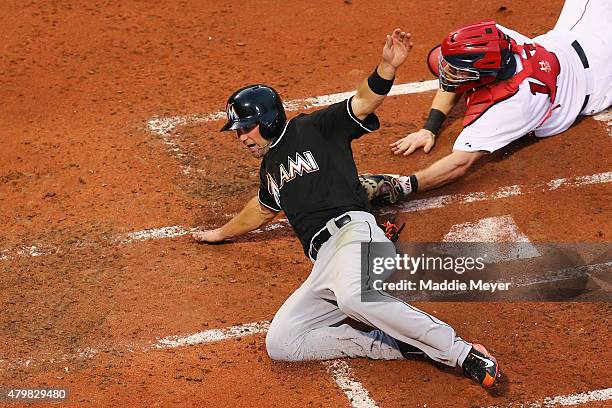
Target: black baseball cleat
(481, 366)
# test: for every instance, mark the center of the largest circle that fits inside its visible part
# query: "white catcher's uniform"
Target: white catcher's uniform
(590, 23)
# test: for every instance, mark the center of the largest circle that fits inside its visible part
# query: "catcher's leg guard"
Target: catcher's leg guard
(382, 188)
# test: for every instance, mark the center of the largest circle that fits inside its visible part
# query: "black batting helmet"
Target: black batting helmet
(256, 104)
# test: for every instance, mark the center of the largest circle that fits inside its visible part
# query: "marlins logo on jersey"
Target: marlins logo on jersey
(303, 163)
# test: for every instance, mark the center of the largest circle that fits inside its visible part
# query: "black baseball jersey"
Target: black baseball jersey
(309, 171)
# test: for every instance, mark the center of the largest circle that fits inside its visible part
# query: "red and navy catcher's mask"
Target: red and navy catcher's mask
(474, 55)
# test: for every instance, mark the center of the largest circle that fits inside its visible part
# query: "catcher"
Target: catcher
(513, 86)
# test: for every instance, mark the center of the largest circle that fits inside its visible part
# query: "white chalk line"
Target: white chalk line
(563, 400)
(578, 398)
(492, 229)
(212, 336)
(173, 231)
(410, 206)
(501, 193)
(179, 230)
(30, 251)
(170, 342)
(605, 116)
(163, 126)
(340, 370)
(357, 394)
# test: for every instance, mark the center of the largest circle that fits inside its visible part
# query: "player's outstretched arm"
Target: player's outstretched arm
(441, 106)
(372, 91)
(251, 217)
(447, 169)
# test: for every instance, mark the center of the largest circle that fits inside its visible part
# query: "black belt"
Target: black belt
(585, 64)
(322, 236)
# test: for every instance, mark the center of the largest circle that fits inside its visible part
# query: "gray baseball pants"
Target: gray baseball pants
(306, 326)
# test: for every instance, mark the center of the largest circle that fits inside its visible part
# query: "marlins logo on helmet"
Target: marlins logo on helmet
(231, 112)
(256, 104)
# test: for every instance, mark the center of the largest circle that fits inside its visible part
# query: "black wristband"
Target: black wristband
(378, 84)
(434, 121)
(414, 184)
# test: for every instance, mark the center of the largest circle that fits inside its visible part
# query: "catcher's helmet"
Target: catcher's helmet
(255, 104)
(433, 59)
(475, 55)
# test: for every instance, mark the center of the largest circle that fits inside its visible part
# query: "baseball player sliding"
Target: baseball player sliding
(513, 86)
(308, 171)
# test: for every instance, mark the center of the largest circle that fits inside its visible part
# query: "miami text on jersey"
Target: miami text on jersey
(303, 163)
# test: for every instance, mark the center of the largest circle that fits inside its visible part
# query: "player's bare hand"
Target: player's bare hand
(406, 145)
(208, 237)
(396, 47)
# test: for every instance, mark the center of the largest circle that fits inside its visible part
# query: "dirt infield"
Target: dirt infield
(85, 300)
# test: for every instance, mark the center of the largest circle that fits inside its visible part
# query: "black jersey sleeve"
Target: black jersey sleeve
(266, 191)
(338, 121)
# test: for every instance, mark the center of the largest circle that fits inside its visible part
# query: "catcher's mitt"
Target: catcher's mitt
(382, 188)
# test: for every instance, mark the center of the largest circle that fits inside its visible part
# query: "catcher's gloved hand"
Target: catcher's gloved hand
(382, 188)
